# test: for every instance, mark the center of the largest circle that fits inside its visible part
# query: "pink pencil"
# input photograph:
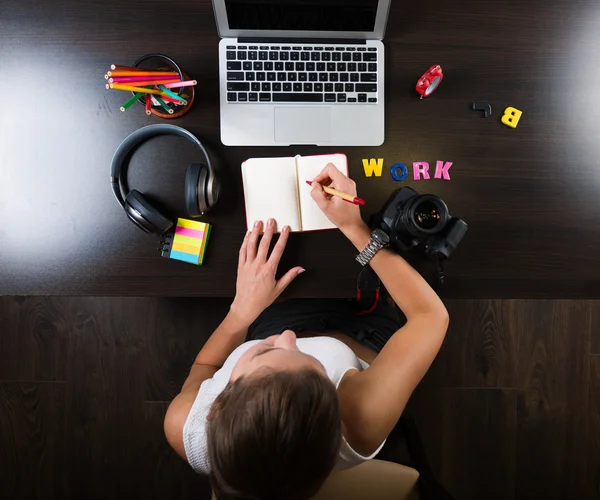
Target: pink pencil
(189, 83)
(125, 79)
(174, 101)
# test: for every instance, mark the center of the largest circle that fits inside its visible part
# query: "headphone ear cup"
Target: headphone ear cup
(192, 177)
(202, 194)
(197, 197)
(212, 189)
(144, 215)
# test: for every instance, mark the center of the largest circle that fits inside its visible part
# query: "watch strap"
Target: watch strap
(364, 257)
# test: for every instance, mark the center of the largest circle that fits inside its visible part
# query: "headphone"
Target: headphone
(201, 183)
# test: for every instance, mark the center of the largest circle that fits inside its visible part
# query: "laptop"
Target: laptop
(298, 72)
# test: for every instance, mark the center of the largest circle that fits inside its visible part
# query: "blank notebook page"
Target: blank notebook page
(308, 168)
(271, 190)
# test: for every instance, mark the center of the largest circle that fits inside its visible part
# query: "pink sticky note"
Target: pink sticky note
(420, 168)
(441, 170)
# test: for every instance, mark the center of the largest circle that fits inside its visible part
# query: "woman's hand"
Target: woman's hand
(346, 216)
(256, 286)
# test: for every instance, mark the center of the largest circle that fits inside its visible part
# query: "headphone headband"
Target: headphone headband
(136, 139)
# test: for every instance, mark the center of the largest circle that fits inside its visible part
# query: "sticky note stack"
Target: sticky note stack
(187, 242)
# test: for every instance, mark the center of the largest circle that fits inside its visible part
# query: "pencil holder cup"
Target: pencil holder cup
(180, 99)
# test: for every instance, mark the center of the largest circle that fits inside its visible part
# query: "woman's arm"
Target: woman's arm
(228, 335)
(373, 400)
(256, 289)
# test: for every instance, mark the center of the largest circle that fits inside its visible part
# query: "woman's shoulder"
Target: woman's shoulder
(194, 428)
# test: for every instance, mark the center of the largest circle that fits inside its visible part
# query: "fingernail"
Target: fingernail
(270, 222)
(286, 229)
(257, 223)
(301, 271)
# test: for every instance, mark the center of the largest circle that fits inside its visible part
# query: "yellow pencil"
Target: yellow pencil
(350, 198)
(118, 86)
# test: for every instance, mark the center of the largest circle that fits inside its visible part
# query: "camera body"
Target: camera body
(412, 220)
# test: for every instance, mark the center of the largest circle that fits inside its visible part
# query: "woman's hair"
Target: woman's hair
(274, 436)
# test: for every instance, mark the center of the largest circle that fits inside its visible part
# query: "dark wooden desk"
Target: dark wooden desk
(530, 195)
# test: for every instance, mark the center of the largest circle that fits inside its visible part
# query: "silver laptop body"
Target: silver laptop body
(301, 72)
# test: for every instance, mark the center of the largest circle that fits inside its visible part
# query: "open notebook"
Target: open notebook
(276, 187)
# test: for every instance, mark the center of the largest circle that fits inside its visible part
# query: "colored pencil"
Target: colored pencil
(164, 106)
(118, 86)
(174, 101)
(168, 99)
(131, 101)
(189, 83)
(170, 93)
(148, 104)
(144, 83)
(344, 196)
(106, 77)
(142, 73)
(116, 67)
(127, 79)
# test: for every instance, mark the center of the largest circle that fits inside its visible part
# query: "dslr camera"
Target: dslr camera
(414, 220)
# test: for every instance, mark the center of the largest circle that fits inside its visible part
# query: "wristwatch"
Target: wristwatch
(379, 239)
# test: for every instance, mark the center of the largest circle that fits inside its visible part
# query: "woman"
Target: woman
(269, 418)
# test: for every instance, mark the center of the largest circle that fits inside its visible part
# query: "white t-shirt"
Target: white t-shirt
(334, 355)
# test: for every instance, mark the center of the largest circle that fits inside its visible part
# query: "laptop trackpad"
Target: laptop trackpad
(296, 125)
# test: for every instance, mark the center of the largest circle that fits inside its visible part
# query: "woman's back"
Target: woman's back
(334, 355)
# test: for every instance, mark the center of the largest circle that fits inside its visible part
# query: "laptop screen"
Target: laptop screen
(302, 15)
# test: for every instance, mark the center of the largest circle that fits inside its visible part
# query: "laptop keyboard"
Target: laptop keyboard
(282, 73)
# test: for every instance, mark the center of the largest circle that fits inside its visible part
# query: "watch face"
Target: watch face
(381, 235)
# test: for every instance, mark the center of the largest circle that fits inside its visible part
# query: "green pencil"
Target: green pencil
(164, 106)
(170, 93)
(131, 101)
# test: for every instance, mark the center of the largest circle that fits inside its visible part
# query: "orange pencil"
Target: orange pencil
(142, 73)
(114, 67)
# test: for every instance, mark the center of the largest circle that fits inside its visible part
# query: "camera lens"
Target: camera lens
(426, 215)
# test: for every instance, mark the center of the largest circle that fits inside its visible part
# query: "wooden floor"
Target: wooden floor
(510, 408)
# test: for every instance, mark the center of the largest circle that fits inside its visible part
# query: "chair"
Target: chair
(372, 480)
(385, 480)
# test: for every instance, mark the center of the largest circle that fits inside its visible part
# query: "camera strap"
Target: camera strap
(368, 286)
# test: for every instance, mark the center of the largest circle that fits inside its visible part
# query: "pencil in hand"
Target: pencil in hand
(340, 194)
